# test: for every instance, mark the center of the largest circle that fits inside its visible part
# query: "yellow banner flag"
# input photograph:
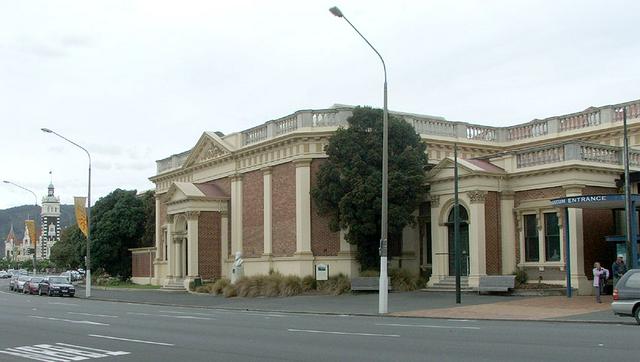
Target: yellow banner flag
(31, 229)
(81, 213)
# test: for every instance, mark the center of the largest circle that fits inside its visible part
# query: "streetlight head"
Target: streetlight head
(46, 130)
(335, 11)
(5, 181)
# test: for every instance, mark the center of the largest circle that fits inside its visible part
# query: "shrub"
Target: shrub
(521, 276)
(309, 283)
(229, 290)
(402, 280)
(271, 287)
(218, 286)
(290, 285)
(202, 289)
(369, 273)
(242, 286)
(336, 285)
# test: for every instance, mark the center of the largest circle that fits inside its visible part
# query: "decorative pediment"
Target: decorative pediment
(209, 147)
(444, 169)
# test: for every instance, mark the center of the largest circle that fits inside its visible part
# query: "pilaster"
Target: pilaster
(303, 206)
(507, 232)
(267, 212)
(192, 242)
(236, 214)
(477, 242)
(158, 236)
(576, 243)
(171, 255)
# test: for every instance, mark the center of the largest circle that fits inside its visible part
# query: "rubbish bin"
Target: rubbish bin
(197, 282)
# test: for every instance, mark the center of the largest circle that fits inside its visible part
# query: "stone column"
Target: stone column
(236, 214)
(177, 260)
(507, 232)
(224, 242)
(477, 242)
(440, 247)
(303, 206)
(171, 255)
(192, 242)
(576, 241)
(267, 212)
(158, 237)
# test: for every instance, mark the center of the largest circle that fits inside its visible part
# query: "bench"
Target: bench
(496, 283)
(366, 284)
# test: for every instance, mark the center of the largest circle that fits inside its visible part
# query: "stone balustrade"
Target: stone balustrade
(576, 151)
(435, 126)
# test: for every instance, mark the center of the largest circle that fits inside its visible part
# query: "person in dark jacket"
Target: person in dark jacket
(618, 268)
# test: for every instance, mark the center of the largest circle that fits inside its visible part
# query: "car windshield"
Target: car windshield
(23, 278)
(58, 280)
(36, 280)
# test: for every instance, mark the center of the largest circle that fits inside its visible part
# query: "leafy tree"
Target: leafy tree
(149, 204)
(70, 250)
(117, 224)
(350, 182)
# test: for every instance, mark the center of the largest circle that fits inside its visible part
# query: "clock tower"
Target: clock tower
(50, 222)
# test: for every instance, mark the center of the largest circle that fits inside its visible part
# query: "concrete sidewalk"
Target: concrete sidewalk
(409, 304)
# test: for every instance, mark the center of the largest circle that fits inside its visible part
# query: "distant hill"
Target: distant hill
(17, 215)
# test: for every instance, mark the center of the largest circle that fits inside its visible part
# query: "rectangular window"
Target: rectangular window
(551, 237)
(531, 243)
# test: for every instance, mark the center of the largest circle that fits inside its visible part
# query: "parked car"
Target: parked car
(19, 285)
(12, 281)
(4, 274)
(56, 285)
(31, 286)
(626, 295)
(72, 275)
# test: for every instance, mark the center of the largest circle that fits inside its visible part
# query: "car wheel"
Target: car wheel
(636, 313)
(40, 292)
(49, 292)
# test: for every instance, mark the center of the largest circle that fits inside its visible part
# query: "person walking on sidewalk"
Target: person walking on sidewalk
(618, 269)
(600, 276)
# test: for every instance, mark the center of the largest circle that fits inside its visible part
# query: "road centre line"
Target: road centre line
(343, 333)
(226, 312)
(94, 315)
(131, 340)
(172, 316)
(61, 303)
(424, 326)
(70, 320)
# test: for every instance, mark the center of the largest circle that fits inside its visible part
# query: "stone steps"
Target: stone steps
(448, 284)
(177, 286)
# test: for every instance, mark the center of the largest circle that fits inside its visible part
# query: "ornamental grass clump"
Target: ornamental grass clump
(309, 283)
(290, 285)
(402, 280)
(336, 285)
(219, 285)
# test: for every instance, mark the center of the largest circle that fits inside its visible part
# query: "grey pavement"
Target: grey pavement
(407, 304)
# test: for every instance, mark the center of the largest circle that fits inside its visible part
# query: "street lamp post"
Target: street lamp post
(36, 203)
(88, 261)
(383, 285)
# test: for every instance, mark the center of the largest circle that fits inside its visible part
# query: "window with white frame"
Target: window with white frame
(551, 236)
(531, 240)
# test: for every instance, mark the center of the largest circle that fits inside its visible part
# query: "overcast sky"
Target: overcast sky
(137, 81)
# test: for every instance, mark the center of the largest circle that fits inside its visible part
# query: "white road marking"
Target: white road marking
(172, 316)
(226, 312)
(343, 333)
(60, 352)
(460, 320)
(70, 320)
(94, 315)
(131, 340)
(424, 326)
(61, 303)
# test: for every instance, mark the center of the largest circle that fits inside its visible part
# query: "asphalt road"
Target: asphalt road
(71, 329)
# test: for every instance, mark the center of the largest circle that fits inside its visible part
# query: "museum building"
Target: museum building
(249, 192)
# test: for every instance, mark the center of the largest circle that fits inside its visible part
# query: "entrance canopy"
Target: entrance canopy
(613, 201)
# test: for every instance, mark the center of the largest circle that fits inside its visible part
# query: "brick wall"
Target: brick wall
(538, 194)
(225, 185)
(324, 242)
(252, 214)
(492, 233)
(141, 264)
(209, 247)
(283, 195)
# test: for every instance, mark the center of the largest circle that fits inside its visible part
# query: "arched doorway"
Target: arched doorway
(464, 242)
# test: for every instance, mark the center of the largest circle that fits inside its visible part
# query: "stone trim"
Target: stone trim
(435, 201)
(477, 197)
(302, 162)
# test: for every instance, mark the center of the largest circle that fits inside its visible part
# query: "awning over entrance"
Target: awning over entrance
(613, 201)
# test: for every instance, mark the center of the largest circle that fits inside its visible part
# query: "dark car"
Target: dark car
(626, 295)
(56, 285)
(31, 286)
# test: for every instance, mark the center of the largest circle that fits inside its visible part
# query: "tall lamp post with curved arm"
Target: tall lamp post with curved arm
(35, 197)
(88, 261)
(384, 281)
